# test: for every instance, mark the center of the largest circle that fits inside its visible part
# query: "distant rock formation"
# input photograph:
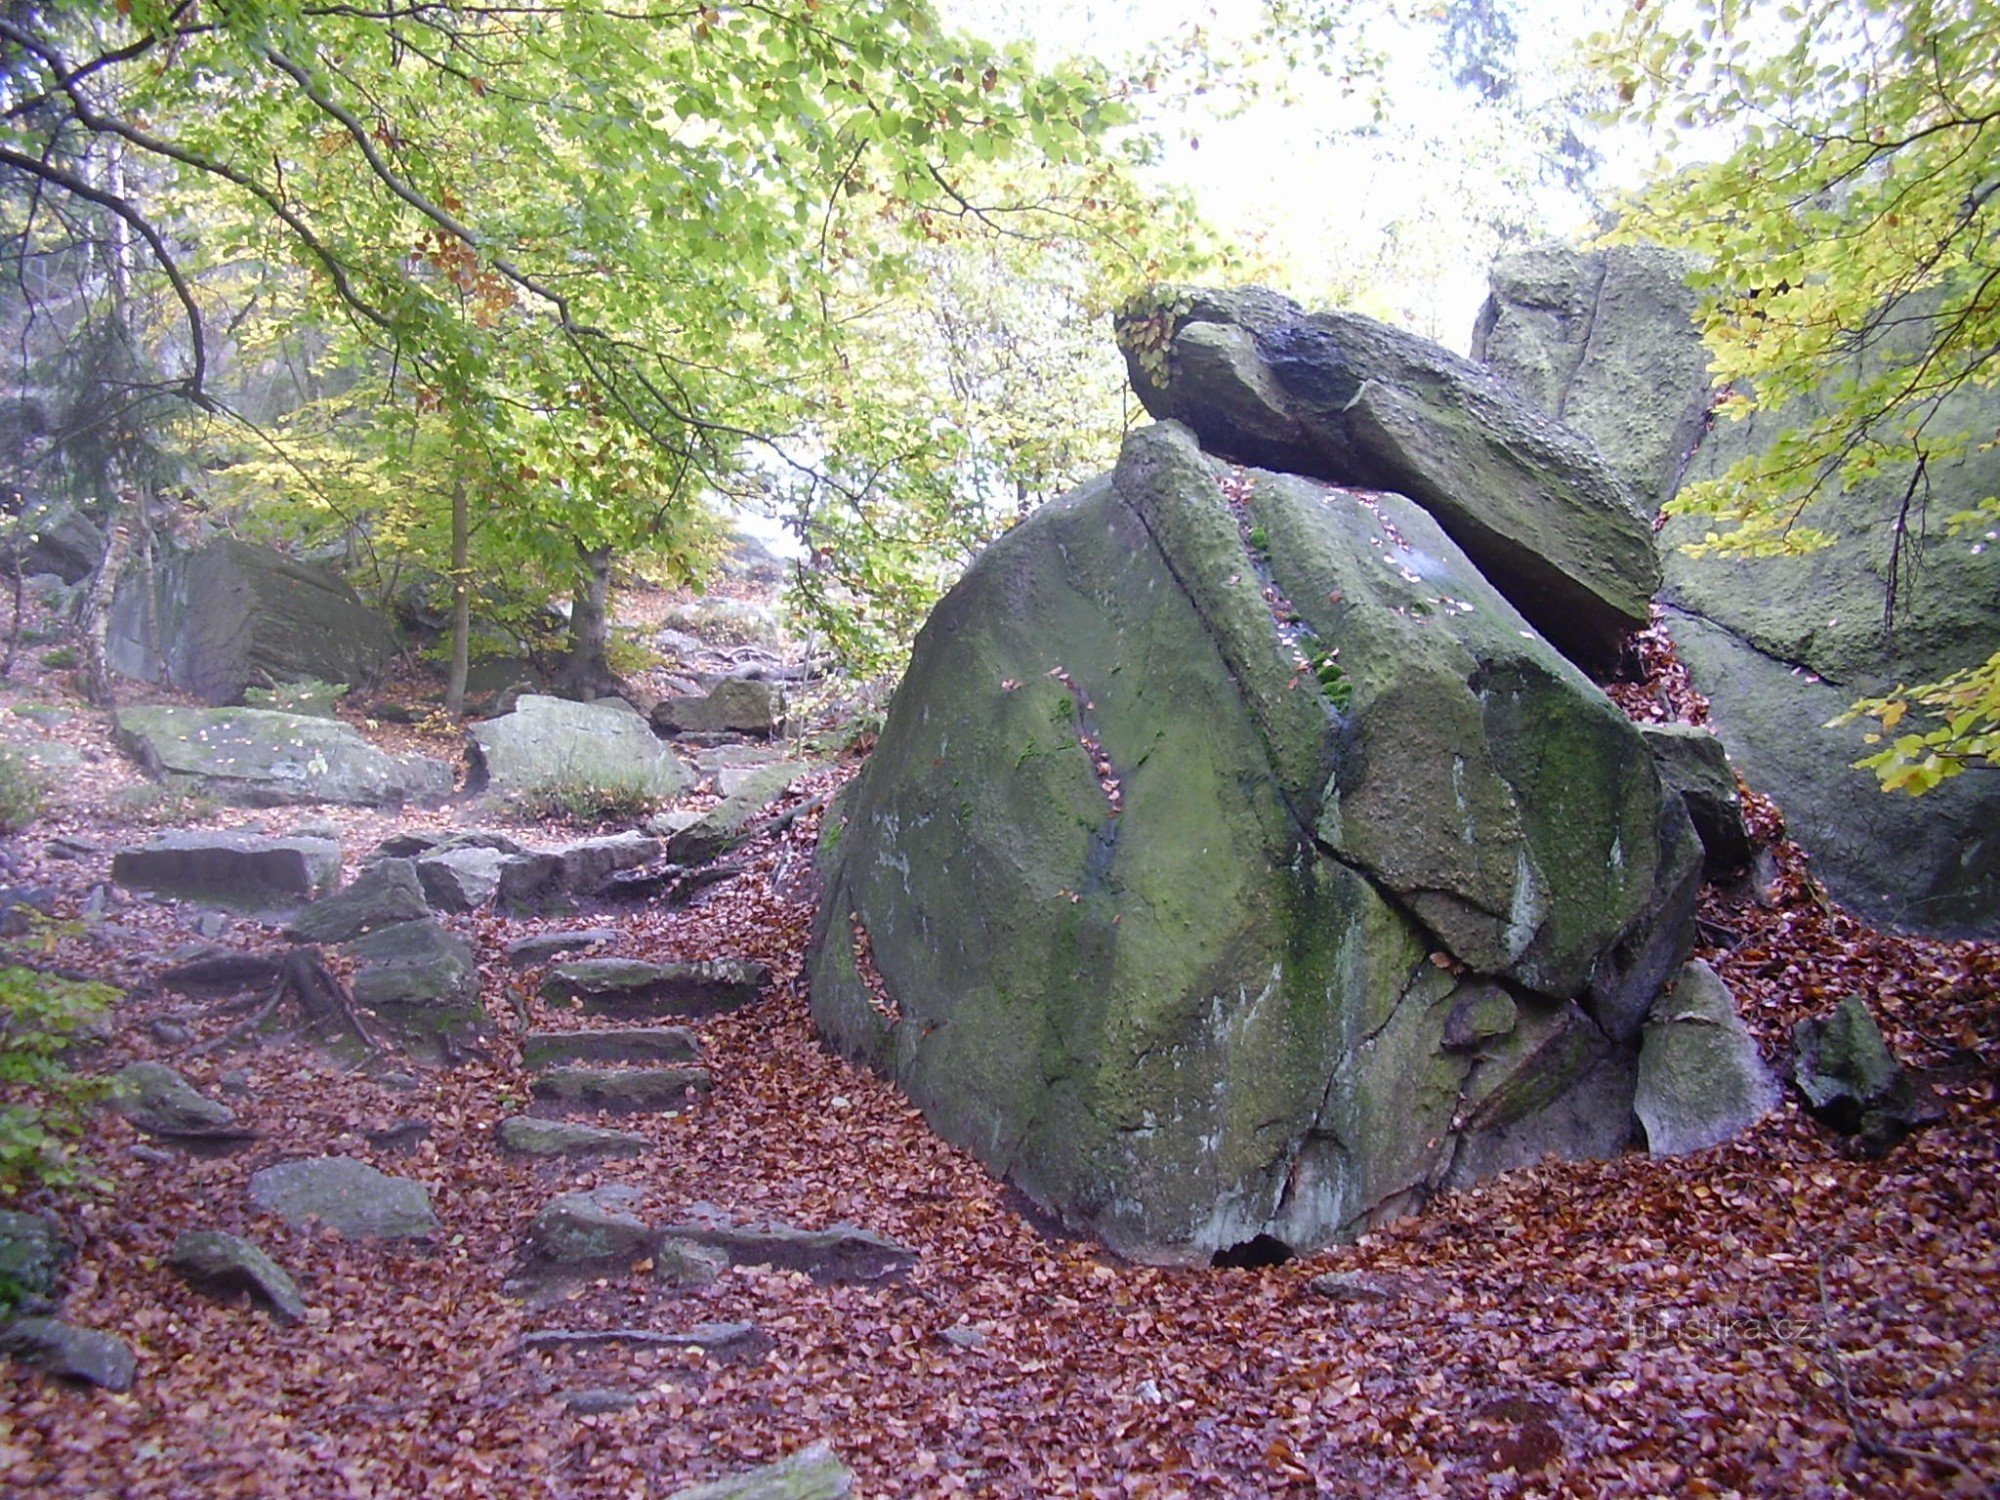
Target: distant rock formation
(1606, 341)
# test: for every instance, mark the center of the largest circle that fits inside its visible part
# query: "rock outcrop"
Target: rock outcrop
(234, 615)
(553, 742)
(1781, 645)
(1342, 398)
(258, 757)
(1237, 863)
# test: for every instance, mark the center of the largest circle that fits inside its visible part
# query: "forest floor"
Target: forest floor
(1778, 1316)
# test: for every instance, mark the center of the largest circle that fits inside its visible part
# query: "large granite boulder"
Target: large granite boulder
(550, 742)
(234, 615)
(1782, 645)
(1237, 862)
(258, 757)
(1343, 398)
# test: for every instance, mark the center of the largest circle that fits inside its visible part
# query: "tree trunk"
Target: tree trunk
(585, 673)
(94, 615)
(461, 602)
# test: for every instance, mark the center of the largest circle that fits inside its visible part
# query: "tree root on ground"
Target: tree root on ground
(323, 1000)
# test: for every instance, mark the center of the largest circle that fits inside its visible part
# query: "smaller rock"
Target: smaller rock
(588, 863)
(423, 982)
(31, 1255)
(222, 1264)
(1701, 1080)
(531, 881)
(585, 1229)
(730, 822)
(385, 893)
(168, 1032)
(397, 1135)
(841, 1252)
(963, 1336)
(1368, 1286)
(627, 987)
(157, 1099)
(682, 1263)
(813, 1473)
(532, 1137)
(349, 1197)
(258, 758)
(99, 1359)
(1693, 763)
(1852, 1081)
(624, 1089)
(672, 1044)
(1481, 1013)
(735, 705)
(461, 879)
(552, 742)
(542, 946)
(244, 871)
(598, 1400)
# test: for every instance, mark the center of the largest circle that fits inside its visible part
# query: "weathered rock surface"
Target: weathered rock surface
(349, 1197)
(1343, 398)
(841, 1252)
(255, 757)
(541, 946)
(529, 1136)
(53, 536)
(1782, 645)
(588, 863)
(1694, 764)
(384, 894)
(632, 987)
(1575, 332)
(31, 1255)
(813, 1473)
(234, 615)
(588, 1228)
(735, 705)
(1186, 904)
(1701, 1079)
(623, 1089)
(72, 1353)
(225, 1265)
(156, 1098)
(245, 871)
(553, 742)
(1853, 1082)
(710, 835)
(423, 984)
(669, 1044)
(460, 879)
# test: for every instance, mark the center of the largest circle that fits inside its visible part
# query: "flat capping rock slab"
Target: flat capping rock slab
(348, 1196)
(244, 871)
(840, 1252)
(630, 987)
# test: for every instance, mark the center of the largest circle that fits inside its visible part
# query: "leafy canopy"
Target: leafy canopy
(1852, 247)
(616, 258)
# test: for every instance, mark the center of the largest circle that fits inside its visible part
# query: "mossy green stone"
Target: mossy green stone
(1173, 940)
